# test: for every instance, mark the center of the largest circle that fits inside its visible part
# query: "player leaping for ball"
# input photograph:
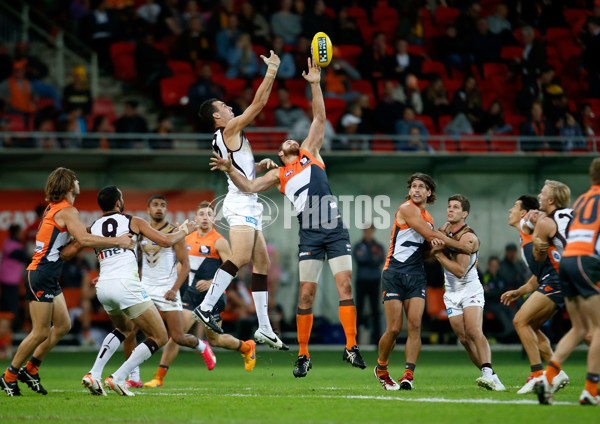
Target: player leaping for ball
(303, 180)
(242, 210)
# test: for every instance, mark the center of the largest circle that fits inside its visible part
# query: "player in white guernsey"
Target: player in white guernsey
(120, 291)
(303, 180)
(464, 293)
(164, 270)
(242, 210)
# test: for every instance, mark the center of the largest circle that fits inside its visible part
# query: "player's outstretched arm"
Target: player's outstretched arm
(541, 238)
(240, 122)
(264, 183)
(70, 217)
(512, 295)
(138, 225)
(410, 215)
(314, 141)
(264, 165)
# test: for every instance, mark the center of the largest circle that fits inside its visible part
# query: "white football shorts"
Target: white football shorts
(157, 294)
(119, 294)
(244, 210)
(457, 301)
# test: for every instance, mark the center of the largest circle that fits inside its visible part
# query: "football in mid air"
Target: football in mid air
(321, 49)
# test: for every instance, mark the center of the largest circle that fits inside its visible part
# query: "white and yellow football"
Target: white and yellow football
(321, 49)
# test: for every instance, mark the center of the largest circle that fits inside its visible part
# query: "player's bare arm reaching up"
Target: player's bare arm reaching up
(312, 144)
(233, 129)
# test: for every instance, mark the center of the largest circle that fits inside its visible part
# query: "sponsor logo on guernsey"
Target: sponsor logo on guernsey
(39, 246)
(189, 248)
(252, 220)
(205, 250)
(304, 161)
(287, 174)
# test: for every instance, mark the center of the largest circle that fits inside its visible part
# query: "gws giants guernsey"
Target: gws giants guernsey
(203, 255)
(115, 262)
(242, 159)
(159, 263)
(406, 247)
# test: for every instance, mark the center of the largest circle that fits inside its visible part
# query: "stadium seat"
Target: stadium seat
(104, 106)
(180, 67)
(258, 50)
(234, 86)
(443, 120)
(427, 121)
(386, 19)
(16, 122)
(335, 109)
(445, 15)
(575, 15)
(473, 146)
(163, 47)
(364, 87)
(495, 69)
(504, 145)
(557, 34)
(434, 67)
(382, 145)
(121, 55)
(173, 89)
(381, 83)
(349, 53)
(511, 52)
(296, 86)
(256, 82)
(72, 296)
(436, 308)
(595, 103)
(416, 50)
(43, 103)
(359, 15)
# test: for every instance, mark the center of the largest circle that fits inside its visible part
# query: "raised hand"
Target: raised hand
(272, 60)
(220, 164)
(314, 72)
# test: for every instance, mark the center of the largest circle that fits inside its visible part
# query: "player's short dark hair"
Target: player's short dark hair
(464, 202)
(428, 182)
(107, 198)
(595, 171)
(207, 108)
(157, 196)
(529, 202)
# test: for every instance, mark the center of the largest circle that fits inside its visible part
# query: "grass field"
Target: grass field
(333, 392)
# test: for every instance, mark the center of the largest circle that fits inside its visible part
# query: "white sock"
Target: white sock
(138, 356)
(219, 284)
(486, 371)
(110, 344)
(261, 304)
(134, 375)
(201, 346)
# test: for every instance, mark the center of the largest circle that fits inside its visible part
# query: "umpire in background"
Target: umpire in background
(369, 256)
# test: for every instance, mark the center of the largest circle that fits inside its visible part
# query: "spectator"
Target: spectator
(287, 67)
(286, 23)
(286, 114)
(101, 125)
(149, 12)
(500, 25)
(130, 25)
(45, 124)
(35, 69)
(12, 268)
(453, 51)
(254, 24)
(5, 337)
(317, 20)
(346, 30)
(130, 122)
(410, 96)
(590, 120)
(467, 100)
(494, 285)
(556, 103)
(372, 62)
(242, 60)
(170, 21)
(416, 142)
(78, 92)
(203, 89)
(513, 271)
(401, 63)
(590, 56)
(388, 110)
(466, 23)
(534, 90)
(408, 121)
(367, 124)
(300, 130)
(435, 99)
(349, 124)
(300, 54)
(534, 54)
(336, 81)
(18, 92)
(485, 45)
(192, 10)
(570, 129)
(75, 274)
(240, 103)
(537, 126)
(195, 43)
(492, 120)
(227, 38)
(411, 25)
(101, 30)
(369, 256)
(164, 126)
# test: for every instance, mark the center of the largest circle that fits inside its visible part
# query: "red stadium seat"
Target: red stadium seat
(16, 122)
(180, 67)
(416, 50)
(121, 55)
(104, 106)
(349, 53)
(434, 67)
(557, 34)
(511, 52)
(445, 15)
(258, 50)
(504, 145)
(443, 120)
(473, 146)
(335, 109)
(495, 69)
(234, 86)
(427, 121)
(256, 82)
(386, 19)
(436, 308)
(173, 89)
(595, 103)
(381, 83)
(382, 145)
(574, 15)
(364, 87)
(163, 47)
(296, 86)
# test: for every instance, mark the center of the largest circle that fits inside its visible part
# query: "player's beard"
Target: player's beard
(293, 150)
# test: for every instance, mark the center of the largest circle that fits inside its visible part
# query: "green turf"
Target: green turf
(333, 392)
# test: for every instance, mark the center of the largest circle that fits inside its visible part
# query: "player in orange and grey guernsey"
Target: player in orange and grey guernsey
(579, 272)
(304, 182)
(49, 315)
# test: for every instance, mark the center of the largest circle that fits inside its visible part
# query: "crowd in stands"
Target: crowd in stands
(414, 68)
